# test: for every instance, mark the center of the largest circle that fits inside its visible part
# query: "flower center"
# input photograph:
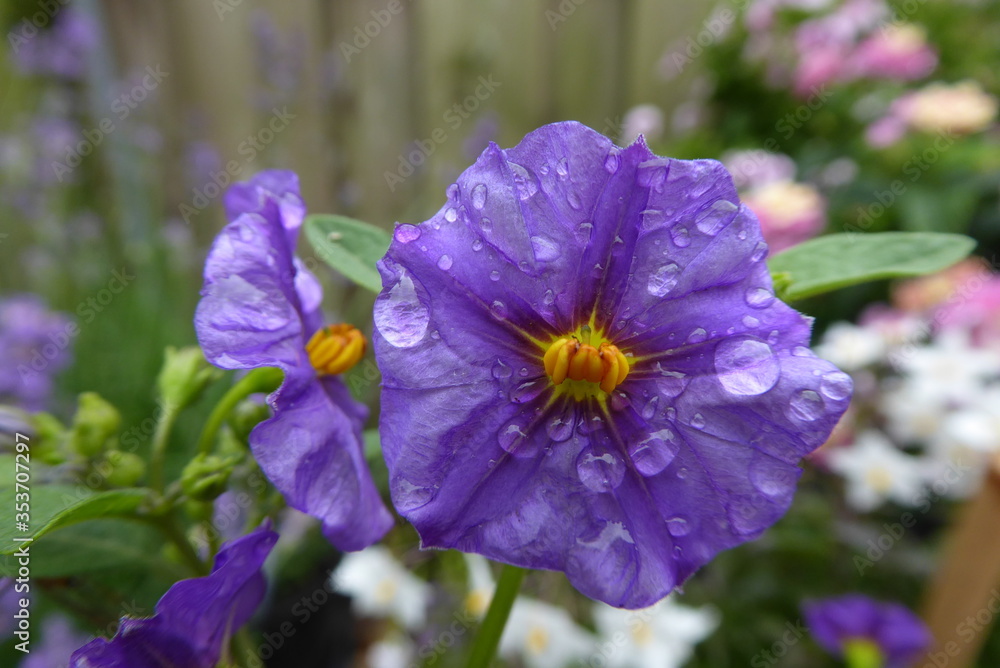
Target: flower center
(587, 366)
(335, 348)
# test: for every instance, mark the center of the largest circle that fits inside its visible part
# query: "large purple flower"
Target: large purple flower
(260, 307)
(585, 367)
(194, 619)
(898, 634)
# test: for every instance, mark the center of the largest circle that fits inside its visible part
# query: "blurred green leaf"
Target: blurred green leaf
(349, 246)
(55, 506)
(839, 260)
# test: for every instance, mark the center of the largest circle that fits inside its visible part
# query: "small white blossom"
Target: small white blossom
(851, 347)
(876, 470)
(380, 587)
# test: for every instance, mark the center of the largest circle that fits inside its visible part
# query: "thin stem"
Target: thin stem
(161, 438)
(484, 647)
(172, 530)
(266, 379)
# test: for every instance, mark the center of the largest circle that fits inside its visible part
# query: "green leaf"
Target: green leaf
(55, 506)
(349, 246)
(839, 260)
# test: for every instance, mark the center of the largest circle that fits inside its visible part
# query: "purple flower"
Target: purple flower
(61, 51)
(195, 618)
(894, 630)
(585, 367)
(260, 307)
(34, 346)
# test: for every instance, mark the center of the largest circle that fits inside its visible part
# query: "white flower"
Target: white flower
(876, 470)
(950, 368)
(380, 587)
(544, 636)
(914, 411)
(977, 427)
(661, 636)
(394, 652)
(851, 347)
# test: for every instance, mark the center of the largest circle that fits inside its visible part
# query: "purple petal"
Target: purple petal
(195, 618)
(694, 453)
(278, 186)
(311, 450)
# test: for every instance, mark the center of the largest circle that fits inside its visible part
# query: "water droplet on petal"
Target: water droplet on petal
(805, 405)
(714, 217)
(560, 427)
(680, 236)
(511, 436)
(837, 385)
(649, 410)
(670, 383)
(759, 297)
(477, 245)
(600, 472)
(499, 310)
(682, 473)
(698, 421)
(451, 215)
(574, 200)
(400, 316)
(501, 370)
(445, 262)
(678, 526)
(406, 233)
(528, 391)
(549, 298)
(545, 249)
(562, 168)
(479, 194)
(697, 336)
(653, 173)
(485, 224)
(408, 496)
(746, 366)
(759, 252)
(655, 452)
(802, 351)
(771, 476)
(494, 275)
(750, 321)
(612, 162)
(453, 191)
(663, 279)
(585, 231)
(524, 180)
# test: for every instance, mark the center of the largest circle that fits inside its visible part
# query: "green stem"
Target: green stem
(266, 379)
(161, 438)
(488, 639)
(172, 530)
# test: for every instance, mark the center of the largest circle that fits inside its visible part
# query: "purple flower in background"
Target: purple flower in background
(62, 50)
(260, 307)
(195, 618)
(897, 633)
(34, 347)
(585, 367)
(59, 640)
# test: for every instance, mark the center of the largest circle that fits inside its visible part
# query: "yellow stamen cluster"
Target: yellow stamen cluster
(336, 348)
(567, 358)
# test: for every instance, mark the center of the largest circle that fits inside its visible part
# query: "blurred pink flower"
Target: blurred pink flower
(754, 168)
(962, 108)
(789, 212)
(897, 52)
(974, 307)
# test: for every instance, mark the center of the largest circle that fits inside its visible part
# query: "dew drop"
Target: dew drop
(545, 249)
(560, 427)
(407, 496)
(663, 280)
(620, 401)
(670, 383)
(682, 473)
(678, 526)
(451, 215)
(528, 391)
(836, 385)
(562, 168)
(746, 366)
(612, 162)
(406, 233)
(680, 236)
(479, 194)
(802, 351)
(714, 217)
(400, 316)
(524, 181)
(805, 405)
(771, 476)
(750, 321)
(499, 310)
(649, 409)
(759, 297)
(454, 191)
(485, 224)
(698, 421)
(759, 252)
(477, 245)
(523, 373)
(697, 336)
(549, 298)
(600, 473)
(653, 173)
(511, 436)
(585, 231)
(445, 262)
(655, 452)
(501, 370)
(494, 275)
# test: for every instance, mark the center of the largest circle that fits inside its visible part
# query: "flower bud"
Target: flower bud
(95, 422)
(247, 415)
(184, 375)
(127, 468)
(206, 476)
